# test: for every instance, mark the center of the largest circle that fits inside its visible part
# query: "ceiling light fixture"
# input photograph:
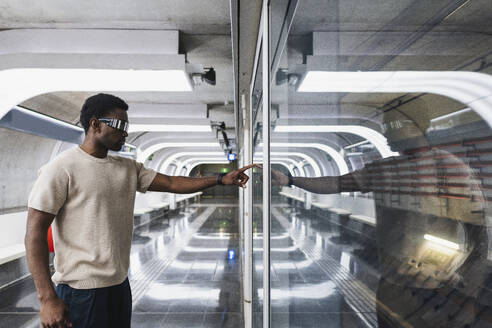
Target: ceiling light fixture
(309, 159)
(168, 128)
(470, 88)
(376, 138)
(162, 167)
(19, 84)
(337, 158)
(195, 164)
(442, 242)
(144, 154)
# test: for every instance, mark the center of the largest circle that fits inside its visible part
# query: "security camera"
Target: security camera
(207, 77)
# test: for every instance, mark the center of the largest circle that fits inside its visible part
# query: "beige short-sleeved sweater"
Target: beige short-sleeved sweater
(93, 200)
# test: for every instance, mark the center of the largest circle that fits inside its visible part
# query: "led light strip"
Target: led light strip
(162, 167)
(376, 138)
(442, 242)
(309, 159)
(470, 88)
(168, 128)
(195, 164)
(340, 162)
(281, 160)
(19, 84)
(142, 155)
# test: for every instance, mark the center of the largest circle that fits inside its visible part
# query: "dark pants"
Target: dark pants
(98, 307)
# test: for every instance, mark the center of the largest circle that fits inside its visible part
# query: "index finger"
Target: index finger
(246, 167)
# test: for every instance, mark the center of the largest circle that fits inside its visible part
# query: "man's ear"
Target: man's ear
(94, 124)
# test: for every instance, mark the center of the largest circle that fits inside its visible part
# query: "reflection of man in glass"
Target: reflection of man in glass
(431, 230)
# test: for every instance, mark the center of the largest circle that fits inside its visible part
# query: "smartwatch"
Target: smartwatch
(219, 179)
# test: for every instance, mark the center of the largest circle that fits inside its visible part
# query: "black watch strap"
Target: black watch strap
(291, 179)
(219, 179)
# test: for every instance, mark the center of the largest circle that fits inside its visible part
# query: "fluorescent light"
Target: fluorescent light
(450, 115)
(442, 242)
(214, 158)
(168, 128)
(82, 79)
(191, 163)
(322, 81)
(174, 157)
(195, 164)
(282, 160)
(166, 292)
(356, 144)
(19, 84)
(376, 138)
(309, 159)
(337, 158)
(470, 88)
(143, 155)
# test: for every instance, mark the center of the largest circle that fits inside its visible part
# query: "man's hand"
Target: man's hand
(237, 177)
(54, 313)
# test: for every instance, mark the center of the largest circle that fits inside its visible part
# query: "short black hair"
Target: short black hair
(98, 106)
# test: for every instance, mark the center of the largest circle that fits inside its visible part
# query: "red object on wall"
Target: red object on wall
(51, 247)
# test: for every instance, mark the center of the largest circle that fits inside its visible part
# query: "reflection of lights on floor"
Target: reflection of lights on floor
(345, 260)
(281, 236)
(313, 291)
(200, 265)
(135, 264)
(160, 244)
(166, 292)
(224, 235)
(191, 249)
(319, 241)
(278, 249)
(284, 266)
(181, 265)
(292, 265)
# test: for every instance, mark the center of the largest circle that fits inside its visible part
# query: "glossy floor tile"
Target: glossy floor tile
(195, 280)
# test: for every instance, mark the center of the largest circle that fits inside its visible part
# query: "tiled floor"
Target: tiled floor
(201, 286)
(304, 294)
(182, 274)
(185, 273)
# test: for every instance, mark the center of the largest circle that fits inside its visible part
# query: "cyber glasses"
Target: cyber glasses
(115, 123)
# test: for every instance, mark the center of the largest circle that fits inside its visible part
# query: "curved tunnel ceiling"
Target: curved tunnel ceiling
(472, 89)
(373, 136)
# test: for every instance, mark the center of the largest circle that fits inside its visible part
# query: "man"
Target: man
(88, 198)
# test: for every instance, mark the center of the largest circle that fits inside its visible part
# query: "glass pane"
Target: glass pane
(388, 222)
(257, 185)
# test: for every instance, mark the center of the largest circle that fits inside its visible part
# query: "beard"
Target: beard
(116, 147)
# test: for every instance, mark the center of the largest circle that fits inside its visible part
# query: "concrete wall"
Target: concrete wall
(21, 155)
(13, 228)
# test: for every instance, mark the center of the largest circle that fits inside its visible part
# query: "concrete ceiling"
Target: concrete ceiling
(357, 35)
(204, 38)
(209, 17)
(351, 35)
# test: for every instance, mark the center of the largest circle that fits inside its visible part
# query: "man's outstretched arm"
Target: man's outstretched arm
(354, 181)
(53, 313)
(186, 185)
